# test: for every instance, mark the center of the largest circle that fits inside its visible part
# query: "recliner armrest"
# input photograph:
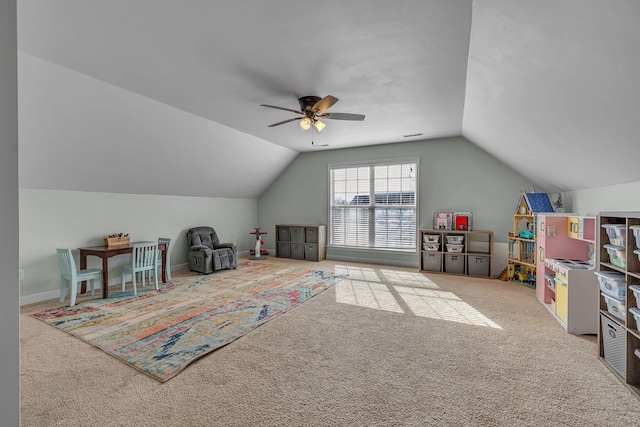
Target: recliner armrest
(224, 245)
(199, 247)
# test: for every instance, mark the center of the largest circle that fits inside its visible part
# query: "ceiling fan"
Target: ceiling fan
(312, 109)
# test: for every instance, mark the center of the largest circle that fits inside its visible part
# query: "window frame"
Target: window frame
(371, 164)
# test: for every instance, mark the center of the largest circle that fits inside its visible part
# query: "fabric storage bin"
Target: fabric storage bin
(613, 284)
(296, 234)
(431, 246)
(617, 234)
(614, 344)
(311, 234)
(615, 306)
(454, 263)
(455, 240)
(297, 250)
(636, 233)
(283, 233)
(431, 261)
(311, 251)
(431, 238)
(455, 248)
(478, 266)
(283, 250)
(617, 255)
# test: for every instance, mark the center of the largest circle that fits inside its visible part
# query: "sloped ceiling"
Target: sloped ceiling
(552, 89)
(546, 87)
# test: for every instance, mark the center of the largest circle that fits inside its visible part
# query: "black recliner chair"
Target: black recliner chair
(207, 254)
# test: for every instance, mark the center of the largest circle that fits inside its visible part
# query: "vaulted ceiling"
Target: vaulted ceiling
(547, 87)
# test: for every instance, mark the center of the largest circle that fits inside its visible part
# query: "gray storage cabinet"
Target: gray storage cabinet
(304, 242)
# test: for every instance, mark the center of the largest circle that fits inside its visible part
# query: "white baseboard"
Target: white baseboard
(178, 267)
(373, 261)
(55, 294)
(246, 253)
(44, 296)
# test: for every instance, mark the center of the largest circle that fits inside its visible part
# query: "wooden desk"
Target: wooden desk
(105, 253)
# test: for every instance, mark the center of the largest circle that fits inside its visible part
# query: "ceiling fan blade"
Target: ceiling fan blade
(343, 116)
(282, 108)
(283, 122)
(324, 104)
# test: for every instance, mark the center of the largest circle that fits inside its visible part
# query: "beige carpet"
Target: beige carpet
(388, 347)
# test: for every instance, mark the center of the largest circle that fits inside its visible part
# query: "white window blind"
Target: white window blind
(373, 205)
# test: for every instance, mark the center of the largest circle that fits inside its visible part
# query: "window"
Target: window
(373, 205)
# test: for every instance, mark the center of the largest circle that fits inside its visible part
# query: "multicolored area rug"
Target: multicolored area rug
(161, 332)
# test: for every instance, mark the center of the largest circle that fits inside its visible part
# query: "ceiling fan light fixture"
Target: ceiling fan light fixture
(318, 125)
(305, 124)
(311, 109)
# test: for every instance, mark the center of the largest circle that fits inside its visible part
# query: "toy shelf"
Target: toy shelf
(618, 336)
(456, 252)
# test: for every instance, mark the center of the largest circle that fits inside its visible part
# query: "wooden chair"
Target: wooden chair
(144, 259)
(69, 272)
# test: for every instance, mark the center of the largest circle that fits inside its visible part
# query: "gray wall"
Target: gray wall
(455, 175)
(591, 201)
(9, 290)
(51, 219)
